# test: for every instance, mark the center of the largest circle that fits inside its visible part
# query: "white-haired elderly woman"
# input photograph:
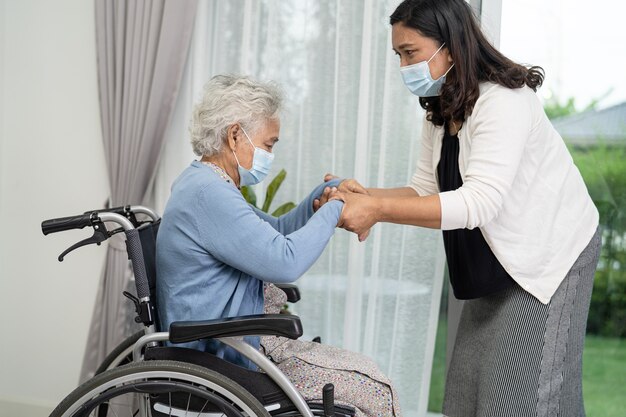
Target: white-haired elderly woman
(216, 254)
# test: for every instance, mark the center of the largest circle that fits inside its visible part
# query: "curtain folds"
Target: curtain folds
(142, 47)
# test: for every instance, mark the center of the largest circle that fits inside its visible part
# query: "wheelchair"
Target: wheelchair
(144, 377)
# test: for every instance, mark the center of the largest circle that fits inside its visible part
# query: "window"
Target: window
(347, 112)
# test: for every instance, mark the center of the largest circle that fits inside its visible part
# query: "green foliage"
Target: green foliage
(554, 108)
(272, 189)
(604, 172)
(250, 196)
(285, 208)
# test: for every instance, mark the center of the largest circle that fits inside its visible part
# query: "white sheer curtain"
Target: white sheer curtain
(349, 113)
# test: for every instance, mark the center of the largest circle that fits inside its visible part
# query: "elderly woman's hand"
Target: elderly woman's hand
(359, 213)
(319, 202)
(349, 185)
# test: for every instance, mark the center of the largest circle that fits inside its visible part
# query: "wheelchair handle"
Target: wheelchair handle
(145, 210)
(96, 219)
(128, 211)
(67, 223)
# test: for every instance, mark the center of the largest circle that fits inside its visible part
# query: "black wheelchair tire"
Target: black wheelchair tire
(143, 371)
(114, 356)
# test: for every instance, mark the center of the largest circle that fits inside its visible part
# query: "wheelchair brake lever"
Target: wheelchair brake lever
(100, 234)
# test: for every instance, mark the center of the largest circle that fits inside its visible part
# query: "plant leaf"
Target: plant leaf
(272, 189)
(285, 208)
(249, 195)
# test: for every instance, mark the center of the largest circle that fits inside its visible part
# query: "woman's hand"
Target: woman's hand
(349, 185)
(359, 213)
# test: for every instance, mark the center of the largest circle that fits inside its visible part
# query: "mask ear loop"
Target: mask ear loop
(436, 52)
(236, 159)
(247, 137)
(233, 151)
(448, 70)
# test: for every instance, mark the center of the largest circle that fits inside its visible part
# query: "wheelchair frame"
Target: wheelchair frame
(228, 331)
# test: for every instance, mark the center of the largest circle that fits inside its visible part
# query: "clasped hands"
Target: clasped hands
(360, 209)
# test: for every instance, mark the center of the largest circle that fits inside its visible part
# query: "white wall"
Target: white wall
(51, 165)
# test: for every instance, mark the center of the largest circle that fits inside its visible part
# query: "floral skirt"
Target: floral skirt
(309, 365)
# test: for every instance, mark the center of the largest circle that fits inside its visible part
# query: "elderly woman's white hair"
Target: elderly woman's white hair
(230, 99)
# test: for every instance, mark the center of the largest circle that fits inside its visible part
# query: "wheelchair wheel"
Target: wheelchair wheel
(121, 355)
(160, 388)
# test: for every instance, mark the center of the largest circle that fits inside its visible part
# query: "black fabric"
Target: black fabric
(474, 270)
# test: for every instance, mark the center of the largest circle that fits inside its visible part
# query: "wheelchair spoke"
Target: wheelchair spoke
(162, 389)
(202, 409)
(188, 402)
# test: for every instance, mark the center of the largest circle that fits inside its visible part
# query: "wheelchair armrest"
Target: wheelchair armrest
(292, 291)
(285, 325)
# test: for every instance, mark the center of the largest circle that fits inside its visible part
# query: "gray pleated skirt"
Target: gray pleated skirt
(515, 356)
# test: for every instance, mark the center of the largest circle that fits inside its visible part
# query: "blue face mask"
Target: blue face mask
(261, 165)
(418, 80)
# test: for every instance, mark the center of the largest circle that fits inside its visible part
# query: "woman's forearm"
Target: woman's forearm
(362, 211)
(392, 192)
(413, 210)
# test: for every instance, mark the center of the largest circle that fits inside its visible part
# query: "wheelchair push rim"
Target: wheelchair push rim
(144, 387)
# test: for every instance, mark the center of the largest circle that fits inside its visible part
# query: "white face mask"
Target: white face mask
(261, 165)
(418, 80)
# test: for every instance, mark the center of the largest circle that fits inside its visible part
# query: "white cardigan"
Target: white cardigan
(520, 187)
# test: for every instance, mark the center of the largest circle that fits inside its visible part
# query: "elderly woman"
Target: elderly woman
(215, 252)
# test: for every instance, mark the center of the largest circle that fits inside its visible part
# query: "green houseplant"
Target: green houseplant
(272, 189)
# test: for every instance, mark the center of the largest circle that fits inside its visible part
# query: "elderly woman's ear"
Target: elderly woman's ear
(232, 135)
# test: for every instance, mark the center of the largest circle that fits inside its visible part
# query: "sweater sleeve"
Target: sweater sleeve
(232, 232)
(423, 180)
(296, 218)
(501, 127)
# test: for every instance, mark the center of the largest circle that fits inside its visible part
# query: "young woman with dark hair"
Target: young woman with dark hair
(519, 228)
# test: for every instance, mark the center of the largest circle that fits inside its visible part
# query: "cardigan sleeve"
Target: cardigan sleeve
(500, 128)
(233, 233)
(296, 218)
(423, 180)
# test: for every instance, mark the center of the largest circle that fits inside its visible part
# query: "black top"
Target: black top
(474, 269)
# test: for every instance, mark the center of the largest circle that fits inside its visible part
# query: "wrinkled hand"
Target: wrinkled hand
(319, 202)
(350, 185)
(359, 212)
(329, 177)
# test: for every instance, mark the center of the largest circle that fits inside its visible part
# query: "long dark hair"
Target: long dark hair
(475, 59)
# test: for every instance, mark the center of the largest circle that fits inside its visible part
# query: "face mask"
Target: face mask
(418, 80)
(261, 165)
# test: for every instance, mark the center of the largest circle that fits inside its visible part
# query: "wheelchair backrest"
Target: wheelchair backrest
(148, 234)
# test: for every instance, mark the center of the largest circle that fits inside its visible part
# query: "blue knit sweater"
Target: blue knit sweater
(214, 251)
